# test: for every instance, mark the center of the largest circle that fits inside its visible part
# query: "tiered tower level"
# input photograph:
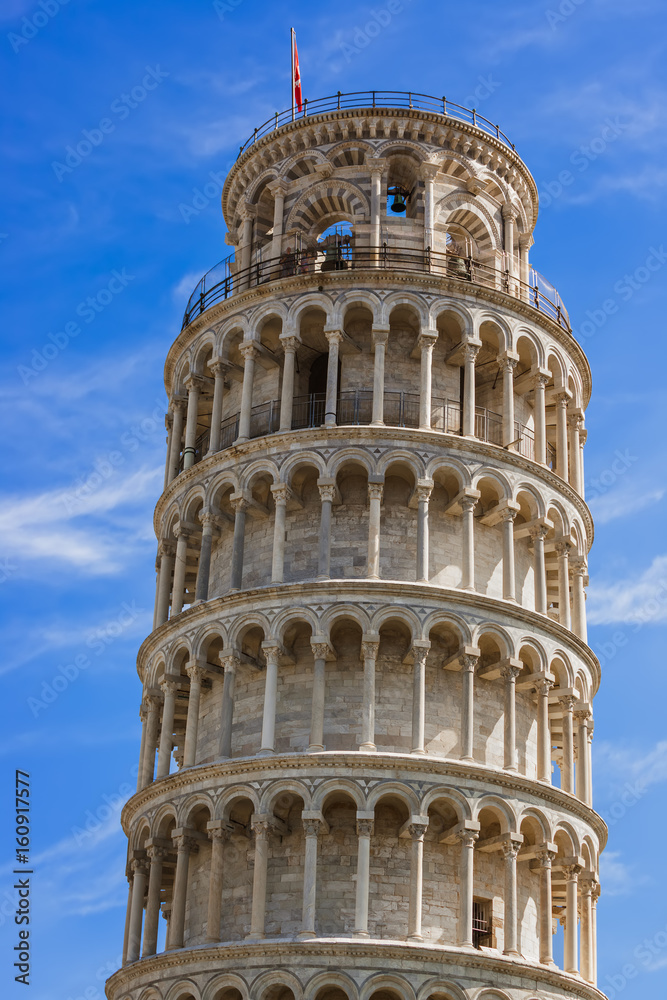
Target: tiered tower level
(365, 764)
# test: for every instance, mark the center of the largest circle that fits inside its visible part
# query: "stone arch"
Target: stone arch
(529, 645)
(441, 989)
(224, 481)
(526, 342)
(534, 498)
(236, 793)
(389, 982)
(448, 463)
(345, 786)
(259, 183)
(460, 803)
(540, 821)
(207, 635)
(500, 808)
(293, 463)
(350, 456)
(561, 667)
(339, 980)
(413, 302)
(309, 153)
(274, 309)
(291, 616)
(183, 990)
(205, 342)
(192, 804)
(227, 334)
(395, 789)
(499, 635)
(334, 199)
(339, 612)
(260, 467)
(502, 328)
(495, 476)
(139, 834)
(350, 146)
(443, 307)
(351, 299)
(461, 208)
(566, 837)
(397, 456)
(394, 147)
(394, 612)
(311, 300)
(253, 619)
(276, 977)
(284, 786)
(223, 982)
(455, 622)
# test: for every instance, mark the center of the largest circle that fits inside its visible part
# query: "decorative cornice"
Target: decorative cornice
(378, 764)
(258, 956)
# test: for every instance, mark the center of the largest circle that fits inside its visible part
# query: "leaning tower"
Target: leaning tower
(365, 767)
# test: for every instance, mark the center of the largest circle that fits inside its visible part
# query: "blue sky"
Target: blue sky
(97, 265)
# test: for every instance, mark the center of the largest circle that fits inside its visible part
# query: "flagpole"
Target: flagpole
(291, 36)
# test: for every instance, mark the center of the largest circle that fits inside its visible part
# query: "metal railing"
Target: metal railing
(377, 100)
(355, 406)
(385, 257)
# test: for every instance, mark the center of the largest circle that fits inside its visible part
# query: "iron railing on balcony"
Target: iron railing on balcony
(219, 283)
(379, 100)
(355, 406)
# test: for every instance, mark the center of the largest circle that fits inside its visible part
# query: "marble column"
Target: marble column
(320, 653)
(567, 771)
(196, 675)
(272, 654)
(470, 352)
(209, 523)
(467, 839)
(562, 399)
(178, 406)
(420, 654)
(157, 856)
(334, 338)
(575, 423)
(468, 505)
(194, 385)
(375, 492)
(538, 534)
(139, 868)
(510, 850)
(562, 550)
(509, 673)
(543, 686)
(583, 776)
(250, 351)
(416, 831)
(281, 494)
(218, 835)
(146, 775)
(167, 556)
(545, 858)
(169, 689)
(185, 846)
(279, 189)
(509, 575)
(230, 665)
(509, 221)
(369, 651)
(376, 170)
(380, 338)
(219, 369)
(240, 504)
(426, 342)
(586, 886)
(468, 664)
(169, 426)
(290, 344)
(423, 490)
(311, 829)
(570, 949)
(182, 534)
(579, 571)
(507, 364)
(327, 496)
(364, 834)
(539, 413)
(261, 827)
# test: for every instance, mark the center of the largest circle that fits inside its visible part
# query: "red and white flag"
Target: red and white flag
(297, 100)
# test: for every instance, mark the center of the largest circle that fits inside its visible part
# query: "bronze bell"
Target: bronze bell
(398, 204)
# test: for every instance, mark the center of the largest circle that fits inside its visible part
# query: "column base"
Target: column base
(361, 934)
(306, 935)
(266, 752)
(316, 748)
(470, 760)
(377, 423)
(255, 936)
(239, 440)
(512, 952)
(417, 938)
(368, 747)
(419, 753)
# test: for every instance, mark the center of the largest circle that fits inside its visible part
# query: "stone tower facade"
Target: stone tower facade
(365, 765)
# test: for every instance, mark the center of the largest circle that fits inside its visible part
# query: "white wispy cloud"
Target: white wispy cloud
(618, 878)
(623, 764)
(621, 502)
(636, 599)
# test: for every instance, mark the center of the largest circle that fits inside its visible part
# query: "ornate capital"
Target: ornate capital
(327, 493)
(508, 514)
(248, 350)
(157, 854)
(509, 672)
(423, 492)
(182, 530)
(139, 866)
(467, 838)
(281, 494)
(185, 843)
(578, 566)
(369, 649)
(262, 826)
(375, 491)
(220, 833)
(320, 650)
(571, 872)
(311, 827)
(510, 850)
(567, 701)
(290, 343)
(509, 212)
(563, 547)
(179, 403)
(166, 549)
(365, 827)
(468, 662)
(195, 672)
(583, 716)
(333, 336)
(272, 653)
(540, 531)
(417, 830)
(507, 364)
(544, 685)
(218, 368)
(194, 382)
(545, 857)
(420, 653)
(229, 663)
(169, 686)
(426, 340)
(239, 503)
(468, 504)
(563, 398)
